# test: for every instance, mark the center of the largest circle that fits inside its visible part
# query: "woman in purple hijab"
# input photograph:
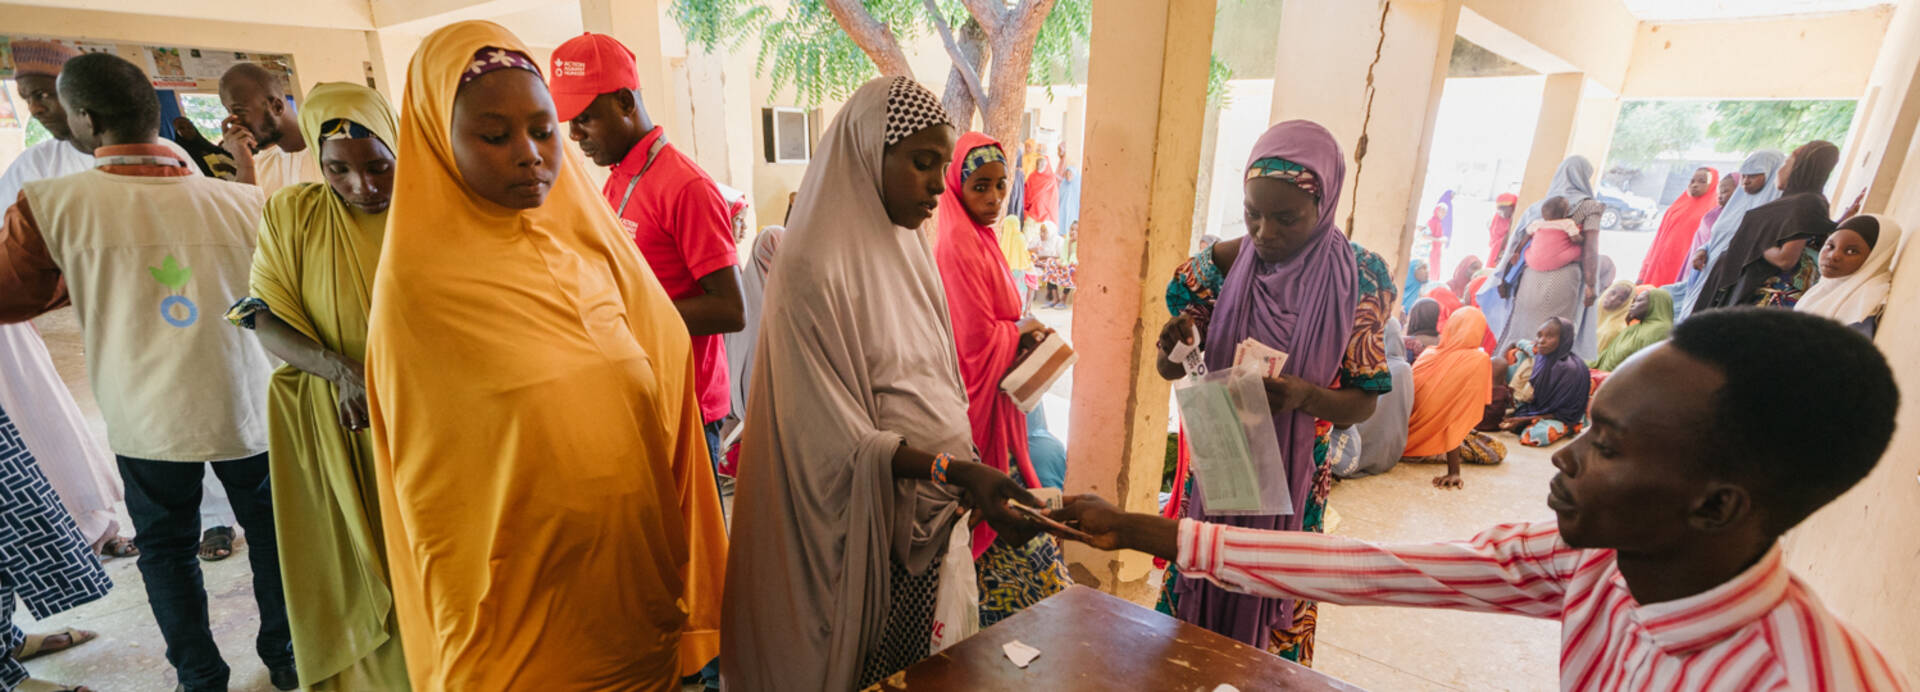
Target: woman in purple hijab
(1562, 387)
(1296, 284)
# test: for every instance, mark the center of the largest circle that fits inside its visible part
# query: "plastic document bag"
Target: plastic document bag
(1236, 457)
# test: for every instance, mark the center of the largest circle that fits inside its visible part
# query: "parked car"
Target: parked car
(1624, 210)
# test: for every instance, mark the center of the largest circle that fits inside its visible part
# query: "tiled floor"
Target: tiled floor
(1376, 648)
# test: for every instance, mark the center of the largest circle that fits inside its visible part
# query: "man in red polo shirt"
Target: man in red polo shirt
(673, 209)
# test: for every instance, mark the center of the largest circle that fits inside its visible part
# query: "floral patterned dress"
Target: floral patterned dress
(1783, 290)
(1192, 292)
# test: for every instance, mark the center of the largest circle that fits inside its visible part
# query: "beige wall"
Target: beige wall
(319, 55)
(1861, 552)
(771, 182)
(1796, 57)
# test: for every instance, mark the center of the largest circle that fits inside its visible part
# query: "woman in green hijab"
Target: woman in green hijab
(311, 290)
(1649, 320)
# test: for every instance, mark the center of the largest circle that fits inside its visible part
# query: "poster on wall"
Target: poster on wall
(167, 68)
(185, 68)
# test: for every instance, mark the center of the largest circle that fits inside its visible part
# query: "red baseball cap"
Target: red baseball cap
(587, 66)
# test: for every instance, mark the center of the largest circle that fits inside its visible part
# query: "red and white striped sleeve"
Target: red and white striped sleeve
(1513, 568)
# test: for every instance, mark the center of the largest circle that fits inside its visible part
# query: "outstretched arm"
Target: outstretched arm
(1513, 568)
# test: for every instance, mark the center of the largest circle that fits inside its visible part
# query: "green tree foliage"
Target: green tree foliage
(36, 133)
(1218, 74)
(1647, 129)
(1783, 125)
(1062, 40)
(206, 112)
(804, 48)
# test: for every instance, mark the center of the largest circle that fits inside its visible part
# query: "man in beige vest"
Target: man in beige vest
(149, 253)
(262, 130)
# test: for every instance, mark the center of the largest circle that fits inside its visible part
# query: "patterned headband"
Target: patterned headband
(911, 108)
(1287, 171)
(490, 58)
(342, 128)
(981, 156)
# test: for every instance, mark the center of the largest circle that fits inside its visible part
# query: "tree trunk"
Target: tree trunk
(1012, 59)
(874, 38)
(959, 102)
(1006, 91)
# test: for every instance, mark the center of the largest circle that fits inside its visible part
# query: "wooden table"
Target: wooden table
(1089, 640)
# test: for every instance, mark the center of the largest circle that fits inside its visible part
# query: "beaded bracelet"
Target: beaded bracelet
(940, 463)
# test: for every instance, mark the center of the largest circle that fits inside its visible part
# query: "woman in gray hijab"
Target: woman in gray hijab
(1564, 291)
(857, 454)
(1757, 188)
(1383, 438)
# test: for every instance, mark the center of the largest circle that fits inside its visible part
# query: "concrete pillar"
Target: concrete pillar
(377, 69)
(1593, 128)
(1325, 52)
(1559, 103)
(646, 30)
(1148, 71)
(1893, 159)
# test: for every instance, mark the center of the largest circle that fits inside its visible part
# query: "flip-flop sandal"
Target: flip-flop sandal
(35, 645)
(215, 541)
(116, 546)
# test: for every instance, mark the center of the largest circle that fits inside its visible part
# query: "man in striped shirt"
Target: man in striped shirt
(1664, 567)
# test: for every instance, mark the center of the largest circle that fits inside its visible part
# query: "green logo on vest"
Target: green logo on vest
(176, 309)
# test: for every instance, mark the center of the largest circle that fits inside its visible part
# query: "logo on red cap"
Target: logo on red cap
(587, 66)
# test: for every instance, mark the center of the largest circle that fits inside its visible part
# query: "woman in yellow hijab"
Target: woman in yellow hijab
(550, 512)
(311, 290)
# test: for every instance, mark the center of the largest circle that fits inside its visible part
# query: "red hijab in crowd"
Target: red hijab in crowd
(985, 310)
(1668, 255)
(1497, 228)
(1043, 193)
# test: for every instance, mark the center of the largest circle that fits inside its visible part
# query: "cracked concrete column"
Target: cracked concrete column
(1148, 73)
(1327, 53)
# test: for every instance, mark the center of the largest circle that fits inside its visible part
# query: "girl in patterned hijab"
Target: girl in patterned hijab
(857, 449)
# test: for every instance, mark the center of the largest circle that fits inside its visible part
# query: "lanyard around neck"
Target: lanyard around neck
(653, 151)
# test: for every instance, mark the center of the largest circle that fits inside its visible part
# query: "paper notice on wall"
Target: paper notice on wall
(167, 68)
(181, 68)
(206, 64)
